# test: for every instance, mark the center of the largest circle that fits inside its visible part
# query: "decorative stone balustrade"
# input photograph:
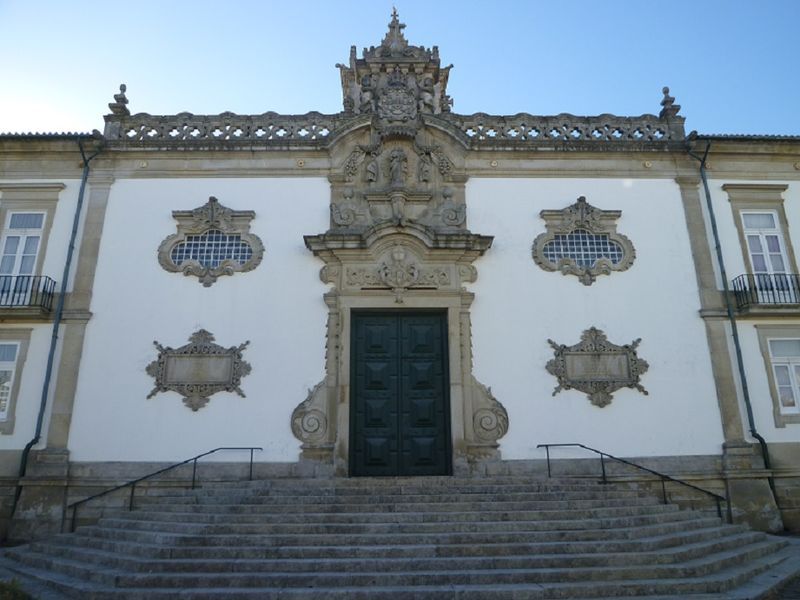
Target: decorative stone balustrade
(186, 128)
(524, 127)
(315, 129)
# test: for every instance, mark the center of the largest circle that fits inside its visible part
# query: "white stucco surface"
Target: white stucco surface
(518, 306)
(278, 307)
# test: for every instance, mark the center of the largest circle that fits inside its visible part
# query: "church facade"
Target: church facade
(398, 290)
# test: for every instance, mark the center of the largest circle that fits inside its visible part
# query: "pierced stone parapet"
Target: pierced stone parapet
(227, 128)
(482, 129)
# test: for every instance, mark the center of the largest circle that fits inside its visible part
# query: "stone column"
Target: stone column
(745, 478)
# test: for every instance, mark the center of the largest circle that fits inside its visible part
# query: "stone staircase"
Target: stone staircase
(403, 538)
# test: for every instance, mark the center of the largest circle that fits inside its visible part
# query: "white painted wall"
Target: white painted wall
(755, 368)
(518, 306)
(278, 307)
(32, 373)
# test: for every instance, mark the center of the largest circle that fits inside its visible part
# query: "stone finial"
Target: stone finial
(668, 107)
(394, 41)
(119, 106)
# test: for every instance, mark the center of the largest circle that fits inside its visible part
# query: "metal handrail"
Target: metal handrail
(132, 483)
(664, 478)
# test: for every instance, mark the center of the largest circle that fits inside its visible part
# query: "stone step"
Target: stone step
(595, 521)
(390, 515)
(708, 588)
(421, 561)
(698, 567)
(383, 503)
(412, 550)
(408, 538)
(679, 521)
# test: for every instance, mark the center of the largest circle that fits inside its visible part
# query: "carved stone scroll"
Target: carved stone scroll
(597, 367)
(198, 369)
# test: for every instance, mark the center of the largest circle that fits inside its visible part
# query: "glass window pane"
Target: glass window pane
(773, 243)
(26, 265)
(782, 375)
(759, 263)
(754, 243)
(787, 397)
(759, 220)
(8, 352)
(785, 348)
(26, 221)
(31, 244)
(7, 265)
(12, 243)
(777, 263)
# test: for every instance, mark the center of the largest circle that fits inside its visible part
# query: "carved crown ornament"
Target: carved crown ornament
(582, 240)
(597, 367)
(198, 369)
(211, 240)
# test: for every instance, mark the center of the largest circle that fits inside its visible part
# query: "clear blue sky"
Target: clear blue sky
(734, 66)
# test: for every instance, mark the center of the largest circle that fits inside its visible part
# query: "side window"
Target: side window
(13, 351)
(21, 240)
(8, 365)
(785, 358)
(770, 273)
(780, 348)
(764, 243)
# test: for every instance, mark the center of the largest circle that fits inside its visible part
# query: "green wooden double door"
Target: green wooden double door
(400, 409)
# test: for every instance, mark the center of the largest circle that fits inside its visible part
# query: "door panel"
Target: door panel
(399, 403)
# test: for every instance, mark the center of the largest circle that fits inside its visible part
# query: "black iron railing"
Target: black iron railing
(132, 484)
(662, 477)
(27, 290)
(764, 288)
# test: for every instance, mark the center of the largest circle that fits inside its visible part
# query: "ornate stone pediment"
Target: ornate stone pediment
(211, 240)
(395, 82)
(597, 367)
(582, 240)
(198, 369)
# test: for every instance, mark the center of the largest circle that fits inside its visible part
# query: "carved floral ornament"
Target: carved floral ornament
(597, 367)
(211, 240)
(198, 369)
(582, 240)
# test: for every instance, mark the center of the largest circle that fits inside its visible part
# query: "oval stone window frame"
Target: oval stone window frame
(212, 216)
(577, 217)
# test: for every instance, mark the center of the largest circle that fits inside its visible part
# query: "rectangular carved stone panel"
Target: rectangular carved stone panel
(597, 367)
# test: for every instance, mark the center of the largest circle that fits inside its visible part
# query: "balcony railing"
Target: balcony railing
(766, 289)
(27, 291)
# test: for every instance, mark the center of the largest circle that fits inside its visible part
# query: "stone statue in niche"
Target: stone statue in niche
(372, 169)
(367, 96)
(398, 167)
(424, 168)
(399, 210)
(426, 95)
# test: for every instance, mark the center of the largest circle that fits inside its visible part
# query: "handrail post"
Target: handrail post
(74, 517)
(194, 472)
(603, 467)
(130, 502)
(547, 451)
(719, 508)
(250, 477)
(663, 490)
